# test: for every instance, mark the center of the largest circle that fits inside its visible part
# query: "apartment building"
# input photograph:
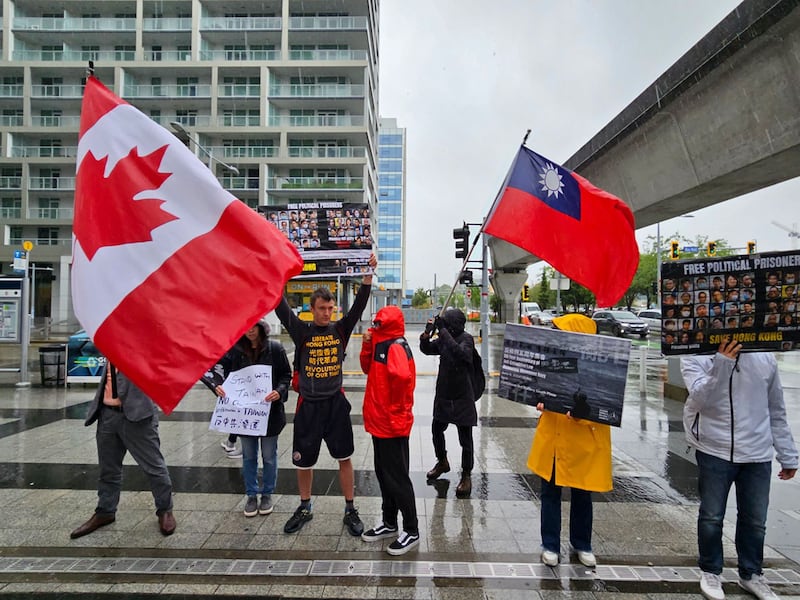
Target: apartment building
(279, 97)
(391, 209)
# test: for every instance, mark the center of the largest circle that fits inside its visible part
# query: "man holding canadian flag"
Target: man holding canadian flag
(169, 269)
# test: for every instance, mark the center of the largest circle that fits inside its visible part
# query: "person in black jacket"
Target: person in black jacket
(255, 348)
(454, 401)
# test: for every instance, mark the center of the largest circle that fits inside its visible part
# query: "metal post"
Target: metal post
(558, 293)
(485, 303)
(643, 369)
(658, 265)
(25, 334)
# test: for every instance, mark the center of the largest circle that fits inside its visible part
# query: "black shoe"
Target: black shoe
(464, 488)
(440, 468)
(353, 522)
(379, 532)
(405, 542)
(300, 517)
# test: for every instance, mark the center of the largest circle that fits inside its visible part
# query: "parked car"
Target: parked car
(651, 316)
(620, 323)
(539, 317)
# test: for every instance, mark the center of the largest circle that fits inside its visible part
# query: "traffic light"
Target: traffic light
(525, 293)
(674, 250)
(711, 249)
(751, 247)
(461, 236)
(465, 277)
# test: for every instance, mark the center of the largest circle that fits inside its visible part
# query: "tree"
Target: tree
(543, 293)
(420, 299)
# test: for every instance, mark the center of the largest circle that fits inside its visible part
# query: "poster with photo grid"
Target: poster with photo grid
(753, 298)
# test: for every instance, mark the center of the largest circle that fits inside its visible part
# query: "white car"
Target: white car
(651, 316)
(538, 317)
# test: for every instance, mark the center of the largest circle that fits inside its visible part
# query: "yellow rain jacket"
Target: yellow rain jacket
(581, 449)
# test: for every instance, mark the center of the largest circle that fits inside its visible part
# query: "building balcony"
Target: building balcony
(234, 152)
(316, 121)
(74, 55)
(327, 152)
(324, 90)
(167, 24)
(11, 91)
(10, 183)
(235, 90)
(52, 214)
(315, 183)
(239, 120)
(241, 23)
(52, 183)
(56, 121)
(186, 120)
(12, 120)
(10, 212)
(62, 242)
(57, 91)
(44, 151)
(197, 90)
(167, 55)
(72, 24)
(230, 182)
(327, 55)
(327, 23)
(255, 54)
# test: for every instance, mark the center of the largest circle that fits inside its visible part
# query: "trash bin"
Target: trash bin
(53, 364)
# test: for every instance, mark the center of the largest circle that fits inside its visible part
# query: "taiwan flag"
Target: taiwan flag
(168, 268)
(580, 230)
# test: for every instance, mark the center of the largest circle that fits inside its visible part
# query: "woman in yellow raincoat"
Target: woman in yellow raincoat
(573, 453)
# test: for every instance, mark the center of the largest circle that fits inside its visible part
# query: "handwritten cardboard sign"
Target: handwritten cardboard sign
(243, 411)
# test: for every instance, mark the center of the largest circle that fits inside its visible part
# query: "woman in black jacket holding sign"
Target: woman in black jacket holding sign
(454, 401)
(255, 348)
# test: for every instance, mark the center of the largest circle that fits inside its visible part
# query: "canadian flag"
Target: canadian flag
(168, 268)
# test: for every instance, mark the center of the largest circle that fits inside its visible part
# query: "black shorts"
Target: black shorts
(327, 420)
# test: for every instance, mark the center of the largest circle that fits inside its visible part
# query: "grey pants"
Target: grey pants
(116, 435)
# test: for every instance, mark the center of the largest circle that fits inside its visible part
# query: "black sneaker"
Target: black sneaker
(405, 542)
(300, 517)
(251, 507)
(379, 532)
(353, 522)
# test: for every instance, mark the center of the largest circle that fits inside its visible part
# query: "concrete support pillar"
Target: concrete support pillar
(507, 286)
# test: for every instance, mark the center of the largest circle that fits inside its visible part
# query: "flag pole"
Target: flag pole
(505, 181)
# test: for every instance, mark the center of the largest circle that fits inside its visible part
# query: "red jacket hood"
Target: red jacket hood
(390, 324)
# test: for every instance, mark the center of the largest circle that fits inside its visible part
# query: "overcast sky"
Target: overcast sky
(467, 78)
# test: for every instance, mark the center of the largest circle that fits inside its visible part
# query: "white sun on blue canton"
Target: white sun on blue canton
(551, 181)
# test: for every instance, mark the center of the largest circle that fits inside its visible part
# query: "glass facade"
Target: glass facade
(391, 208)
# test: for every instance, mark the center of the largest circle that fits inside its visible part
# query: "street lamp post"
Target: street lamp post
(184, 137)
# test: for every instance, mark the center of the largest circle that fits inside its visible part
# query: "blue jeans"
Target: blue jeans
(269, 455)
(715, 477)
(580, 517)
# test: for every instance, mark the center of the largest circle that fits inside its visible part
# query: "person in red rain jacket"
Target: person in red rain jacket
(388, 416)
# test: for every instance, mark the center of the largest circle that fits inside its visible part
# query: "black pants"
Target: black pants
(397, 491)
(464, 438)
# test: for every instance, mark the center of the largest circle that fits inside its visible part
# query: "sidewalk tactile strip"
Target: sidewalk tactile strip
(374, 568)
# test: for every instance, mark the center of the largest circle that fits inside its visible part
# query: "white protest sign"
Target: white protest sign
(243, 411)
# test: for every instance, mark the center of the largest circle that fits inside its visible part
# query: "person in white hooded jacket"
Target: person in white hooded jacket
(735, 418)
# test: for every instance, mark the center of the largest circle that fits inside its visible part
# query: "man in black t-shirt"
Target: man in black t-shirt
(323, 411)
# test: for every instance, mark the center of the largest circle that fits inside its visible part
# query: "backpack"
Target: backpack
(477, 378)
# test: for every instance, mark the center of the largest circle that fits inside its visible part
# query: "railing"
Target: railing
(244, 151)
(10, 183)
(239, 183)
(315, 183)
(167, 24)
(56, 121)
(57, 91)
(239, 120)
(14, 241)
(327, 151)
(327, 23)
(312, 90)
(316, 121)
(167, 55)
(74, 24)
(51, 183)
(44, 151)
(241, 23)
(240, 55)
(14, 90)
(52, 214)
(187, 120)
(74, 55)
(11, 120)
(327, 55)
(8, 212)
(193, 90)
(239, 90)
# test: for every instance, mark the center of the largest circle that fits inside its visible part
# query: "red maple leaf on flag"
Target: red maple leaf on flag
(106, 213)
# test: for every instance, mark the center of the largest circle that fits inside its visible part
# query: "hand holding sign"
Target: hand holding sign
(245, 405)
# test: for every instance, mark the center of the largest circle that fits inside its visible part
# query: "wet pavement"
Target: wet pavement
(486, 546)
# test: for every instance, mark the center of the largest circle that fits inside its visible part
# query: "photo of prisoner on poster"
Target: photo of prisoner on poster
(753, 298)
(569, 372)
(334, 238)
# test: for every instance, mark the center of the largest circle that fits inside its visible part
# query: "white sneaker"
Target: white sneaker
(711, 586)
(587, 558)
(227, 446)
(757, 586)
(550, 558)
